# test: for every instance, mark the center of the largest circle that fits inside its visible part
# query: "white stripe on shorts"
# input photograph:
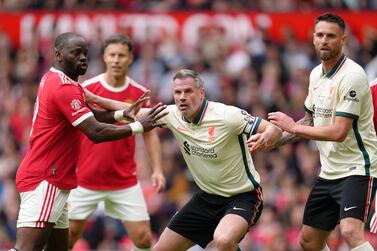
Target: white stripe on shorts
(47, 206)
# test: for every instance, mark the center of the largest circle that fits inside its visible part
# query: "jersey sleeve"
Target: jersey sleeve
(70, 100)
(239, 121)
(308, 104)
(373, 90)
(352, 90)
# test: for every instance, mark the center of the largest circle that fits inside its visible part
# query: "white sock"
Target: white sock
(140, 249)
(326, 248)
(363, 247)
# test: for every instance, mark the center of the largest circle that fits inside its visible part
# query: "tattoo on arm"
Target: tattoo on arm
(288, 138)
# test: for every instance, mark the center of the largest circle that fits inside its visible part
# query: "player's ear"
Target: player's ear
(203, 91)
(58, 55)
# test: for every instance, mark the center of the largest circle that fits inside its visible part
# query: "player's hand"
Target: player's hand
(158, 181)
(282, 121)
(149, 120)
(89, 97)
(258, 143)
(130, 113)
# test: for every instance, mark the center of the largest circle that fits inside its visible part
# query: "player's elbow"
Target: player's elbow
(339, 137)
(95, 139)
(96, 136)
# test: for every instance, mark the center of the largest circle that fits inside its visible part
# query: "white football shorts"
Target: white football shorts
(47, 203)
(125, 204)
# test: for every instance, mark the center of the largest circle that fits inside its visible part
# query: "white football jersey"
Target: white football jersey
(214, 147)
(344, 91)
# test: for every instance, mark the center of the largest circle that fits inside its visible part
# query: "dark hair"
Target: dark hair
(118, 39)
(62, 38)
(185, 73)
(332, 18)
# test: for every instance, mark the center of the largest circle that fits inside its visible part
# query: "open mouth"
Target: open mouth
(183, 107)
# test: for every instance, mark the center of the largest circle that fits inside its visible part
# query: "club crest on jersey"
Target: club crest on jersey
(211, 133)
(76, 104)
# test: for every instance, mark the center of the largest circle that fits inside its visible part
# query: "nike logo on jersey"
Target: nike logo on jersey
(349, 208)
(238, 208)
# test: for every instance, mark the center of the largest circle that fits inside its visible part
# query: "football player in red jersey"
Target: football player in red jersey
(107, 171)
(47, 173)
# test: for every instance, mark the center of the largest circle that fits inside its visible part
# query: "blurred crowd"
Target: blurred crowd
(258, 75)
(169, 5)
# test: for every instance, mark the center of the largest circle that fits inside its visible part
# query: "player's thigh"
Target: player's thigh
(171, 241)
(45, 204)
(127, 204)
(29, 238)
(83, 202)
(198, 219)
(241, 212)
(356, 197)
(76, 229)
(232, 227)
(321, 209)
(58, 240)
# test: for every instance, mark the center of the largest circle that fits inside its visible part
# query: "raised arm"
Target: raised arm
(288, 138)
(99, 132)
(336, 132)
(266, 136)
(108, 104)
(121, 110)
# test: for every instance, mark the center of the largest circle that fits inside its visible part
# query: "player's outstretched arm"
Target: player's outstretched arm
(99, 132)
(266, 136)
(105, 103)
(335, 132)
(123, 111)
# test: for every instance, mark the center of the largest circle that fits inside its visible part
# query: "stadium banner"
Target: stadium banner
(22, 27)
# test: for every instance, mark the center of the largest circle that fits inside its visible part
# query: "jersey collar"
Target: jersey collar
(53, 69)
(336, 67)
(198, 119)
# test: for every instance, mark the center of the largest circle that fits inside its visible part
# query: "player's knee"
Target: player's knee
(143, 238)
(223, 242)
(351, 234)
(73, 237)
(307, 244)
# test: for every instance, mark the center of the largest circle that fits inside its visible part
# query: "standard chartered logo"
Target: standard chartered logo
(199, 151)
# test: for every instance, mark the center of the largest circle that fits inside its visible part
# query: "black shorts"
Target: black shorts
(198, 219)
(333, 200)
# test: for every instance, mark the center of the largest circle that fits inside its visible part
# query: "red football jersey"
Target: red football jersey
(373, 89)
(109, 165)
(53, 151)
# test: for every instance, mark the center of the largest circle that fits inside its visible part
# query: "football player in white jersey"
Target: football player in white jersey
(213, 140)
(339, 116)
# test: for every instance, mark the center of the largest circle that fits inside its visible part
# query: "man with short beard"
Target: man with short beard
(339, 116)
(47, 173)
